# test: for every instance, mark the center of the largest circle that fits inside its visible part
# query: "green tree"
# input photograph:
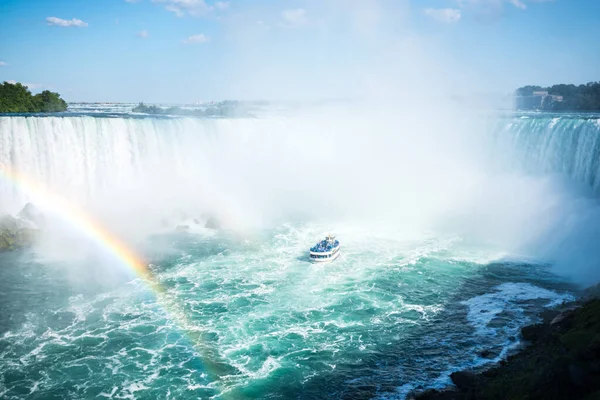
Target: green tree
(528, 90)
(16, 98)
(48, 102)
(574, 98)
(142, 108)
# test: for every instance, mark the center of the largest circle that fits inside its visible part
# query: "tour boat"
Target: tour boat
(326, 250)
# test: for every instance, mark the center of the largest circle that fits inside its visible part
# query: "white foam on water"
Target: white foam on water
(508, 297)
(109, 395)
(553, 122)
(266, 308)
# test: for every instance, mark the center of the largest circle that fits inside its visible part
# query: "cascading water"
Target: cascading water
(430, 280)
(246, 168)
(565, 144)
(82, 157)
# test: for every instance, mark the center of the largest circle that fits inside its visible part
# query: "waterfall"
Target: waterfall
(568, 145)
(82, 157)
(284, 165)
(381, 168)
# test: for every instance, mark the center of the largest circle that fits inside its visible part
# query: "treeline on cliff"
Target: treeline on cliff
(16, 98)
(226, 108)
(574, 98)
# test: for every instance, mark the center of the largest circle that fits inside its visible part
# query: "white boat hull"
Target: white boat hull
(326, 259)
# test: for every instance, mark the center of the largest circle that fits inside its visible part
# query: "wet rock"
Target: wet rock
(464, 380)
(13, 236)
(532, 333)
(549, 315)
(485, 354)
(492, 373)
(32, 214)
(489, 353)
(8, 222)
(561, 361)
(433, 394)
(578, 375)
(564, 318)
(591, 293)
(212, 223)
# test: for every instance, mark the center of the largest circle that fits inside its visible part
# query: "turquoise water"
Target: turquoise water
(259, 321)
(474, 218)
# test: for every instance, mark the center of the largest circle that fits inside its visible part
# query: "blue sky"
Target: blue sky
(195, 50)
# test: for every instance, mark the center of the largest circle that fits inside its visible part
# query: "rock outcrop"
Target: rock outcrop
(182, 228)
(561, 361)
(31, 213)
(21, 231)
(212, 223)
(13, 235)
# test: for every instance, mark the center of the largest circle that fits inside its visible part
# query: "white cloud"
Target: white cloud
(262, 25)
(142, 34)
(66, 23)
(518, 4)
(294, 18)
(34, 86)
(195, 8)
(3, 64)
(464, 3)
(222, 5)
(496, 5)
(178, 12)
(448, 15)
(31, 86)
(200, 38)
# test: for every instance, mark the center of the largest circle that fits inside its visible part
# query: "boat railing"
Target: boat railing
(325, 246)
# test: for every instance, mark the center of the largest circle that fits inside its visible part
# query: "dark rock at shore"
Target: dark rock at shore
(592, 292)
(561, 361)
(464, 379)
(432, 394)
(485, 354)
(490, 353)
(532, 333)
(564, 319)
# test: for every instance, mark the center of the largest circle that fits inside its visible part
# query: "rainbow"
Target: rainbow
(80, 220)
(93, 230)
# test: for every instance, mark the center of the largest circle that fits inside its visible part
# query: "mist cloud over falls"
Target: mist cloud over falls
(395, 168)
(324, 162)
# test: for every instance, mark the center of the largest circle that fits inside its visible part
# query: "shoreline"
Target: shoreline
(559, 358)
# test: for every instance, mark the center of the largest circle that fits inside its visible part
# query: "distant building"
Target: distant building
(537, 101)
